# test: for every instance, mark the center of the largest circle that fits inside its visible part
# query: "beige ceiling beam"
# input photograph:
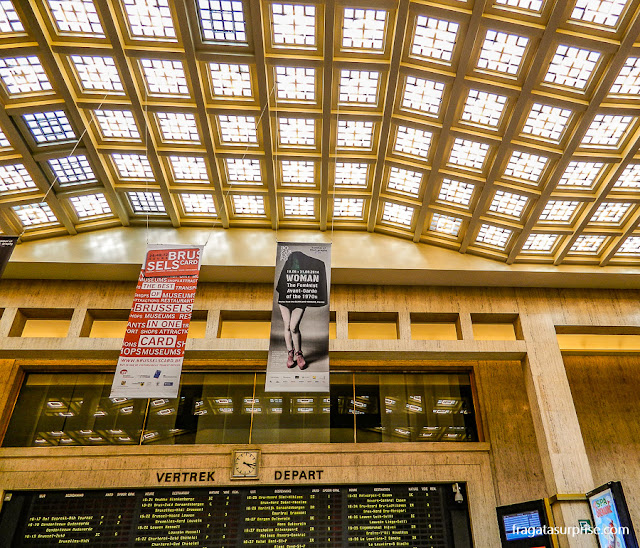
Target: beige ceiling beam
(536, 69)
(197, 85)
(402, 18)
(113, 33)
(268, 135)
(627, 230)
(450, 108)
(327, 89)
(31, 16)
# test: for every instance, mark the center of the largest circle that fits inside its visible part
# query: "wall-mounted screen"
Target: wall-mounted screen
(611, 519)
(524, 525)
(322, 516)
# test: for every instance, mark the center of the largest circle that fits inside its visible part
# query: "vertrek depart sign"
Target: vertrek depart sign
(152, 352)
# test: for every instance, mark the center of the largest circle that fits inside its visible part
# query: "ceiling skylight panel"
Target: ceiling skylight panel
(198, 204)
(581, 174)
(32, 215)
(150, 19)
(525, 166)
(351, 174)
(422, 95)
(502, 52)
(359, 87)
(298, 172)
(49, 127)
(468, 154)
(493, 236)
(22, 75)
(299, 206)
(526, 5)
(90, 205)
(631, 246)
(540, 243)
(414, 142)
(178, 127)
(9, 21)
(599, 12)
(238, 129)
(628, 81)
(97, 73)
(15, 178)
(187, 169)
(297, 132)
(606, 130)
(164, 77)
(132, 166)
(590, 243)
(222, 21)
(348, 207)
(146, 202)
(434, 38)
(230, 80)
(293, 25)
(508, 203)
(547, 122)
(355, 134)
(72, 170)
(243, 170)
(445, 224)
(397, 214)
(76, 17)
(571, 67)
(248, 205)
(558, 211)
(610, 212)
(364, 29)
(117, 124)
(484, 109)
(456, 192)
(296, 84)
(630, 177)
(403, 180)
(4, 142)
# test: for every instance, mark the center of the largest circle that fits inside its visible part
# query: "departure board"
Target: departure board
(415, 516)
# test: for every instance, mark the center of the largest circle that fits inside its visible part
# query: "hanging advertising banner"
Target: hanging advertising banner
(299, 345)
(152, 352)
(611, 519)
(7, 243)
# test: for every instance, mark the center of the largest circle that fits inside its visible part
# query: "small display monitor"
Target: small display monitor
(524, 525)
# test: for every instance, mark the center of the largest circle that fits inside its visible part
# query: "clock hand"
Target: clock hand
(252, 465)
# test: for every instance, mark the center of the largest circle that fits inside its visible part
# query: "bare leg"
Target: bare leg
(294, 327)
(286, 317)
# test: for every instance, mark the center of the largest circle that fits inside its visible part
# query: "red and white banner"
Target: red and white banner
(152, 352)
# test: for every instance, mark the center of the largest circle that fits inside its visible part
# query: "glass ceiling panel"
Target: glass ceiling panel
(9, 21)
(76, 17)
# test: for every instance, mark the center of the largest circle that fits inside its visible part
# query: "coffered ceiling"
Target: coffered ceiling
(503, 128)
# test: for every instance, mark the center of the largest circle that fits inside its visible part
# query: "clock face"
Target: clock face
(245, 464)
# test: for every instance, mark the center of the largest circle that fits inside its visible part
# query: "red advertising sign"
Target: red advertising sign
(152, 352)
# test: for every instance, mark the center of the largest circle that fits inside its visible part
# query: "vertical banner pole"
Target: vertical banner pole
(299, 343)
(150, 362)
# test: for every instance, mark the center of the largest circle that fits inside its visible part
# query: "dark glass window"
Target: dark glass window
(215, 408)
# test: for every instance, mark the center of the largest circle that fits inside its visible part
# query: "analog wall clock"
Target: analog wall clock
(245, 463)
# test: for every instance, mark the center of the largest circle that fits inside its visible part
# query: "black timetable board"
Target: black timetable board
(411, 515)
